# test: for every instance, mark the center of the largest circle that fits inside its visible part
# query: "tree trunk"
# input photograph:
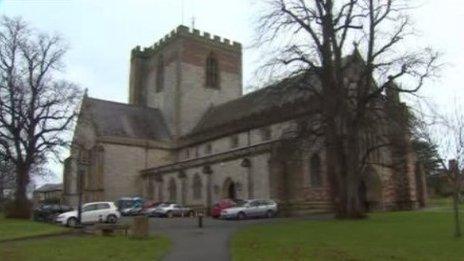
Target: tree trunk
(349, 174)
(2, 188)
(457, 230)
(22, 206)
(333, 162)
(354, 207)
(457, 189)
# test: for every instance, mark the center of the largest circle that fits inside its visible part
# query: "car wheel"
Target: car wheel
(71, 222)
(169, 214)
(241, 216)
(270, 214)
(112, 219)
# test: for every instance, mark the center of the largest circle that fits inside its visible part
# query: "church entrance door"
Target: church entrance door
(229, 189)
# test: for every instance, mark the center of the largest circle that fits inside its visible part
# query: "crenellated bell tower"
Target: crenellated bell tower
(184, 74)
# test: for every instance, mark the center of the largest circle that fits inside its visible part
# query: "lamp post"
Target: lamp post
(80, 185)
(80, 173)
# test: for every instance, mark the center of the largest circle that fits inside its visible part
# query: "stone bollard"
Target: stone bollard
(140, 227)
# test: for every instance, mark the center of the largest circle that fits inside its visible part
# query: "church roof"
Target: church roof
(125, 120)
(274, 98)
(286, 99)
(50, 187)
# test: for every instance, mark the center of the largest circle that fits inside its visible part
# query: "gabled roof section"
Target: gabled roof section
(124, 120)
(50, 187)
(271, 98)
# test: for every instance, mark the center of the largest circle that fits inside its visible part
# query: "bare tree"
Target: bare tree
(7, 178)
(315, 38)
(35, 107)
(447, 131)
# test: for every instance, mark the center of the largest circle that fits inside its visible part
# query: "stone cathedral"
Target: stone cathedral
(189, 135)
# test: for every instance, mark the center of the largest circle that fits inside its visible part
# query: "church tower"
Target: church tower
(184, 74)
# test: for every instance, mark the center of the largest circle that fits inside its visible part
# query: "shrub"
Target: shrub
(24, 210)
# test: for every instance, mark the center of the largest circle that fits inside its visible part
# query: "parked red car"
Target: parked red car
(223, 204)
(149, 206)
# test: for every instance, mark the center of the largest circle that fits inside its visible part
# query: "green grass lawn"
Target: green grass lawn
(418, 235)
(16, 228)
(68, 248)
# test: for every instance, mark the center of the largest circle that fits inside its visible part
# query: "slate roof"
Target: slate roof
(50, 187)
(125, 120)
(272, 98)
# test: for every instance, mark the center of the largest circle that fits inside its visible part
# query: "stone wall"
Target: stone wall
(122, 166)
(245, 139)
(222, 175)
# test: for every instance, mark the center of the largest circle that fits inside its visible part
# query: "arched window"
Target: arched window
(172, 188)
(212, 72)
(315, 171)
(197, 186)
(266, 133)
(160, 74)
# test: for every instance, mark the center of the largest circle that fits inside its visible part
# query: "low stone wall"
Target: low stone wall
(296, 209)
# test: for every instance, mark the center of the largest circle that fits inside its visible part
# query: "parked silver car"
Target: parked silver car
(171, 210)
(251, 209)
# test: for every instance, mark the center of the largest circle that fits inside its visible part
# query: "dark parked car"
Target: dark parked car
(127, 203)
(224, 204)
(48, 212)
(133, 211)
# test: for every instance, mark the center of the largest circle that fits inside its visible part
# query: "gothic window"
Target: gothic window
(84, 156)
(315, 171)
(197, 186)
(160, 74)
(208, 148)
(150, 188)
(172, 189)
(266, 133)
(234, 141)
(212, 72)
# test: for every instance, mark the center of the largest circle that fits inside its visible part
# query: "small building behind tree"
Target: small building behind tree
(48, 193)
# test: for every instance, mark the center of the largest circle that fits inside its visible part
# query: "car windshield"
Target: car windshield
(125, 203)
(129, 203)
(243, 203)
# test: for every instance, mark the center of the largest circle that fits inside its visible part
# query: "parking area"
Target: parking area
(193, 243)
(208, 243)
(181, 223)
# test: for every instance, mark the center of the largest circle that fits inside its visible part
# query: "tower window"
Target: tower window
(160, 74)
(172, 189)
(208, 148)
(234, 141)
(212, 72)
(266, 133)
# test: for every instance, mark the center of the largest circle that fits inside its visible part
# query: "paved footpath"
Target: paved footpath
(211, 242)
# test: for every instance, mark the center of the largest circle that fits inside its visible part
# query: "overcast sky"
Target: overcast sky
(101, 34)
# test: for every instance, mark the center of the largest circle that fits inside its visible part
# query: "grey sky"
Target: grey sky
(102, 33)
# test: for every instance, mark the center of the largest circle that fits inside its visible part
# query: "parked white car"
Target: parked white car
(251, 209)
(171, 210)
(91, 213)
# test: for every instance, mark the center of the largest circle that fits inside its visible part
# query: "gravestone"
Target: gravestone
(140, 227)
